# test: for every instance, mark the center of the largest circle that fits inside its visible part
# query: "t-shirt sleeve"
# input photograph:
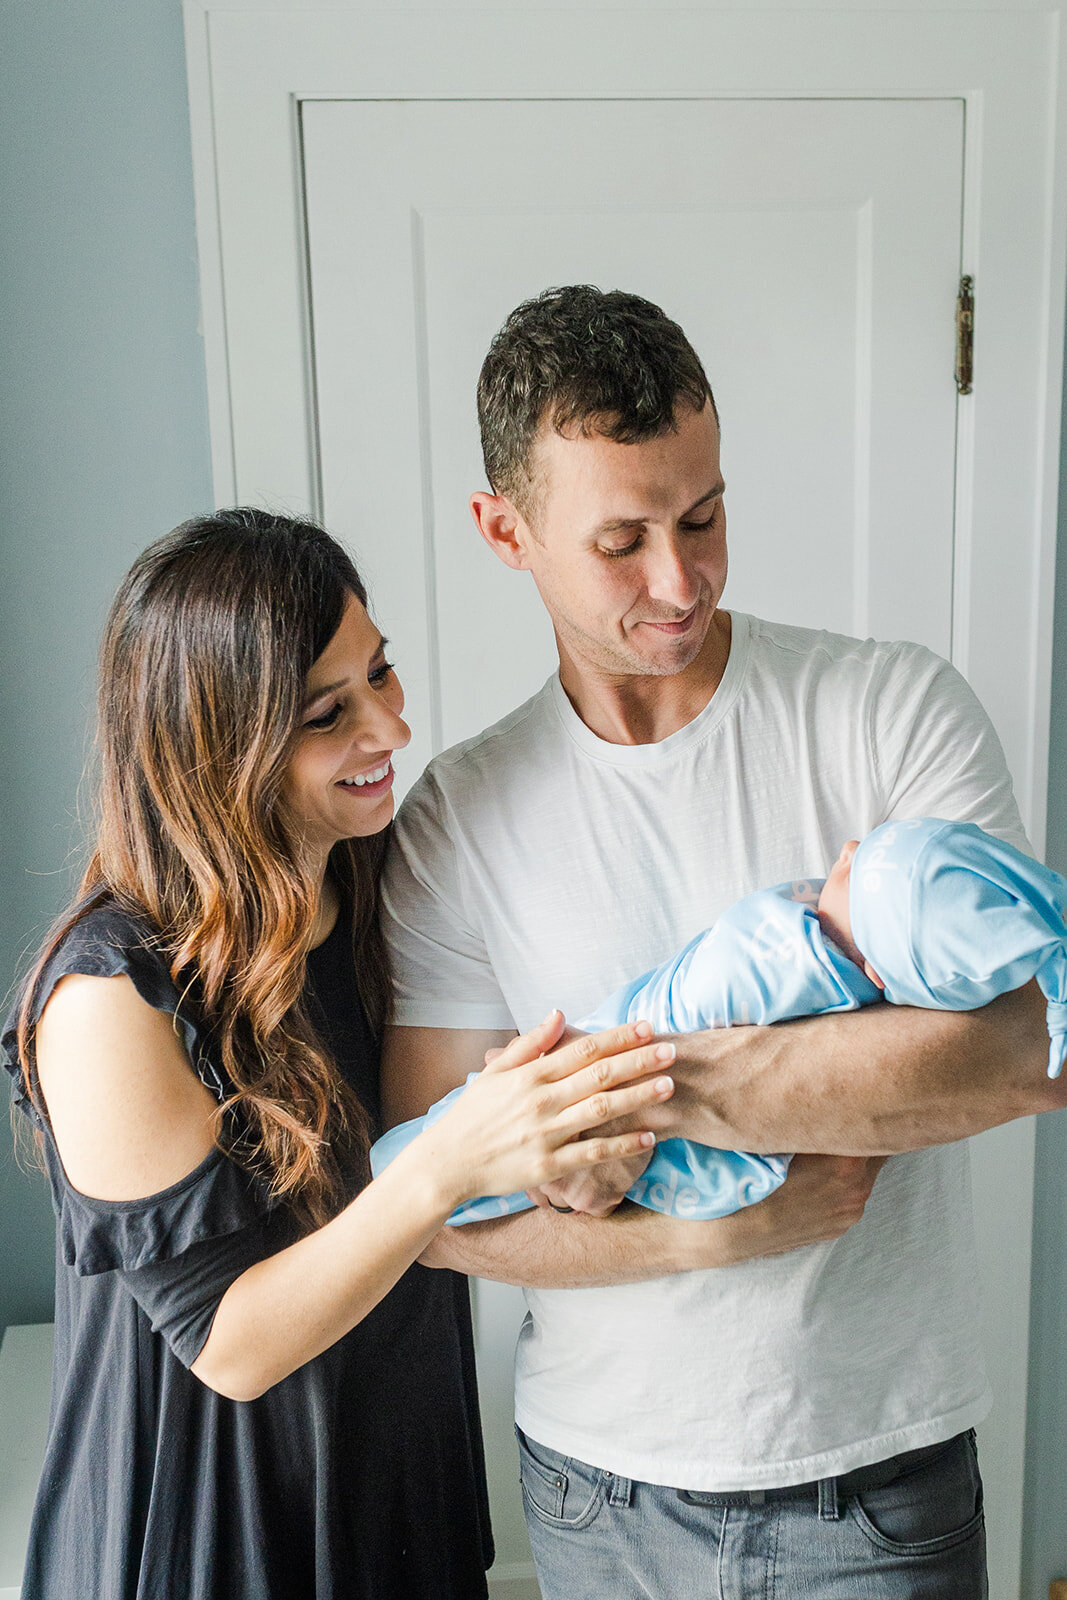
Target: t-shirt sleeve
(442, 974)
(935, 750)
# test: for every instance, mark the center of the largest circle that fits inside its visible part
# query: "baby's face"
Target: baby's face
(833, 903)
(834, 916)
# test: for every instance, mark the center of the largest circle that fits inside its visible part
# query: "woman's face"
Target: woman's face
(339, 782)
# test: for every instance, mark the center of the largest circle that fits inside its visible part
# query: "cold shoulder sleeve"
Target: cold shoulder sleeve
(109, 942)
(176, 1251)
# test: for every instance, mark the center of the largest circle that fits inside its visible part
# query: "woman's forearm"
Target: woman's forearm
(872, 1082)
(292, 1306)
(532, 1116)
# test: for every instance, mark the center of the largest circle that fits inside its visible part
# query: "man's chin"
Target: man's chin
(646, 653)
(662, 655)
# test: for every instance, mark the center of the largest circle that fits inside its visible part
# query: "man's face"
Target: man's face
(627, 544)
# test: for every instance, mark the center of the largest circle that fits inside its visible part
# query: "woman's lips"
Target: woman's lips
(369, 791)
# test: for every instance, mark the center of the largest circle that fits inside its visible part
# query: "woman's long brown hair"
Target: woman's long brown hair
(202, 681)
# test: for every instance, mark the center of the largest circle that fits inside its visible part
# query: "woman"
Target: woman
(257, 1393)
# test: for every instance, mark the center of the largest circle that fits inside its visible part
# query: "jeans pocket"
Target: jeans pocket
(557, 1489)
(933, 1507)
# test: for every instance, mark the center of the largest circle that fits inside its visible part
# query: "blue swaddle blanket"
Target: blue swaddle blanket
(764, 961)
(950, 917)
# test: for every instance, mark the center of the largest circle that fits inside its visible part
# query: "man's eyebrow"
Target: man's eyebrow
(618, 524)
(713, 493)
(331, 688)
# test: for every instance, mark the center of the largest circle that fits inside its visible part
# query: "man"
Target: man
(692, 1401)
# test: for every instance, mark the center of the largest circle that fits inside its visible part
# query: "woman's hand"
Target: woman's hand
(520, 1123)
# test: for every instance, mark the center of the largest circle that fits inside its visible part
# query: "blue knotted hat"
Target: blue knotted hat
(950, 917)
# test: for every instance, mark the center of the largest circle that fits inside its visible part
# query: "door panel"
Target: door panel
(814, 276)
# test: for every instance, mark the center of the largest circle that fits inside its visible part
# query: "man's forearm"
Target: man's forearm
(871, 1082)
(541, 1249)
(822, 1197)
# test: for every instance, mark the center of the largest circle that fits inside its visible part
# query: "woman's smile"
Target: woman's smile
(372, 784)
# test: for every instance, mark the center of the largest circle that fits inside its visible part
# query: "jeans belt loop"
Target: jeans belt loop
(621, 1493)
(829, 1501)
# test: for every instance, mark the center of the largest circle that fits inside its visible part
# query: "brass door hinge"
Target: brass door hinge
(965, 337)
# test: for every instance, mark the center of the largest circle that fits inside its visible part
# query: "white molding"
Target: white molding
(25, 1391)
(1048, 446)
(514, 1580)
(658, 8)
(209, 243)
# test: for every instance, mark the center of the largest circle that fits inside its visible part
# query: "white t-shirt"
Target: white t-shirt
(538, 865)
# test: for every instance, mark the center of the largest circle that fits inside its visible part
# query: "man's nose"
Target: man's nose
(671, 577)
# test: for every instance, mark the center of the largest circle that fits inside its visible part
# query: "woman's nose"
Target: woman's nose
(382, 727)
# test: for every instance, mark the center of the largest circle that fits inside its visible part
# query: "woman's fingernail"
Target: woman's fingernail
(643, 1030)
(664, 1085)
(647, 1139)
(665, 1052)
(552, 1015)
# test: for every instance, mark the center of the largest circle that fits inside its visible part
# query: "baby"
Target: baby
(923, 913)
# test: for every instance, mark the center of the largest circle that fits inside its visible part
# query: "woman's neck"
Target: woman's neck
(329, 909)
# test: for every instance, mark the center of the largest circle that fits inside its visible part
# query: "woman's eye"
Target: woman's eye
(622, 550)
(378, 675)
(327, 720)
(699, 527)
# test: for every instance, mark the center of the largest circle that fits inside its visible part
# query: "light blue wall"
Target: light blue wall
(104, 444)
(103, 430)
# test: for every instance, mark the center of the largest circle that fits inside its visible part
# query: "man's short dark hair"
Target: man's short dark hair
(585, 360)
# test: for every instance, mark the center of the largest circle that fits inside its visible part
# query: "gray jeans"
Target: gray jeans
(919, 1536)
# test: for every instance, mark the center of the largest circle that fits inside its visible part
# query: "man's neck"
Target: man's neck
(638, 708)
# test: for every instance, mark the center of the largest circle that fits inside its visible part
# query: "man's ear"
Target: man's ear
(501, 526)
(878, 982)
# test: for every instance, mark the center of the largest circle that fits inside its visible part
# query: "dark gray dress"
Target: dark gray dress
(358, 1477)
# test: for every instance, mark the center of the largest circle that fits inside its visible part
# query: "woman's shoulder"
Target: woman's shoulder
(105, 1070)
(104, 938)
(107, 939)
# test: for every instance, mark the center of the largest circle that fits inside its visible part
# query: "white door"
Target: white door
(810, 249)
(814, 274)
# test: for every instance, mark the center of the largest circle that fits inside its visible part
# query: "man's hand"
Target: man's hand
(821, 1199)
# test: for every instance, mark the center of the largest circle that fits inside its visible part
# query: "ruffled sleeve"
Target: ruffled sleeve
(109, 942)
(216, 1199)
(176, 1252)
(179, 1250)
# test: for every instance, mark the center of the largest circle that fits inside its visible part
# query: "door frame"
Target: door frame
(252, 63)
